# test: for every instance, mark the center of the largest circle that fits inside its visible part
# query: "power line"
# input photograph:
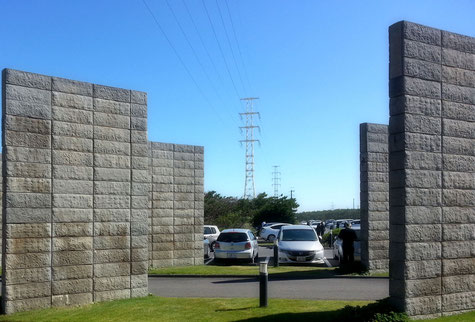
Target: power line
(194, 52)
(239, 47)
(220, 49)
(230, 46)
(203, 43)
(181, 60)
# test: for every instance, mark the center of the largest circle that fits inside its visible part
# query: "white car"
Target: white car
(338, 246)
(206, 247)
(299, 244)
(211, 233)
(270, 232)
(236, 244)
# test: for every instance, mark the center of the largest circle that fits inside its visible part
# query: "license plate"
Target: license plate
(300, 259)
(231, 255)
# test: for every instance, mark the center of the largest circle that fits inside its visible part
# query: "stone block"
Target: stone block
(72, 286)
(71, 101)
(138, 97)
(71, 86)
(30, 140)
(404, 85)
(71, 299)
(26, 245)
(112, 93)
(28, 275)
(72, 201)
(111, 174)
(459, 146)
(26, 79)
(458, 111)
(111, 269)
(35, 185)
(111, 120)
(112, 256)
(459, 163)
(457, 93)
(71, 272)
(72, 144)
(111, 134)
(111, 295)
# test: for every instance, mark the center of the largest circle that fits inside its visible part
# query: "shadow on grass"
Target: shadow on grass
(379, 311)
(231, 310)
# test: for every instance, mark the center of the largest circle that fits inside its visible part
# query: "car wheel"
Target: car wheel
(271, 238)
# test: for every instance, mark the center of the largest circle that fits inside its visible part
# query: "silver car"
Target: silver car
(236, 244)
(299, 244)
(338, 246)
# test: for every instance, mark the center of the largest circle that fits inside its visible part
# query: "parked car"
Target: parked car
(299, 244)
(211, 233)
(338, 246)
(356, 224)
(236, 244)
(206, 247)
(270, 232)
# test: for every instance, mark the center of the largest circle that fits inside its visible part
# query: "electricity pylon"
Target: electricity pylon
(249, 186)
(276, 180)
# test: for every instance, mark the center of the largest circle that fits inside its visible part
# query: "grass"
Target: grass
(153, 308)
(209, 270)
(281, 271)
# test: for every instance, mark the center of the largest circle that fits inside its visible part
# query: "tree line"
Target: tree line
(233, 212)
(328, 214)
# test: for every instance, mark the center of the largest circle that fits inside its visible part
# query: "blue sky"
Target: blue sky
(319, 68)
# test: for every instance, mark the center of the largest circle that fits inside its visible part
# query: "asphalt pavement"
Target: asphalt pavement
(312, 289)
(344, 288)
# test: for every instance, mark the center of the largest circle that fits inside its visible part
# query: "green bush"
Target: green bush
(381, 311)
(326, 237)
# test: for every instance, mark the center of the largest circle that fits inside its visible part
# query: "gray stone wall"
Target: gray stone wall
(432, 170)
(76, 187)
(177, 205)
(374, 196)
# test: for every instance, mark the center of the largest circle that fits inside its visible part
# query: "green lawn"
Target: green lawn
(281, 271)
(207, 270)
(154, 308)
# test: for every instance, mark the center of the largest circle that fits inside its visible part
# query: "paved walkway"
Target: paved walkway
(313, 289)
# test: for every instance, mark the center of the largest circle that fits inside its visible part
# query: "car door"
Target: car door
(255, 245)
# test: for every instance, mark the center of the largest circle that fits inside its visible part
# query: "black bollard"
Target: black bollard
(263, 279)
(276, 255)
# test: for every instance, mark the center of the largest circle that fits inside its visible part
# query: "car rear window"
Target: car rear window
(298, 235)
(232, 237)
(207, 230)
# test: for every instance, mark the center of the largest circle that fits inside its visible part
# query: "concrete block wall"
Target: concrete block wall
(76, 187)
(177, 205)
(432, 170)
(374, 196)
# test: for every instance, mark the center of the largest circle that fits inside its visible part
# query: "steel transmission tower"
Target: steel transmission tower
(249, 186)
(276, 180)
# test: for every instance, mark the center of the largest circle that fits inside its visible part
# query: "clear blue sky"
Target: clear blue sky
(319, 68)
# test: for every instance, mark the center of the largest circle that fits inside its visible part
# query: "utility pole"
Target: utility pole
(292, 194)
(276, 180)
(249, 186)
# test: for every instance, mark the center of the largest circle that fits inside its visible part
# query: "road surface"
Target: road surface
(311, 289)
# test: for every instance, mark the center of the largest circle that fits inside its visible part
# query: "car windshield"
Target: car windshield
(232, 237)
(298, 235)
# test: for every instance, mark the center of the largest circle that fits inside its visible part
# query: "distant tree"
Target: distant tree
(232, 212)
(274, 209)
